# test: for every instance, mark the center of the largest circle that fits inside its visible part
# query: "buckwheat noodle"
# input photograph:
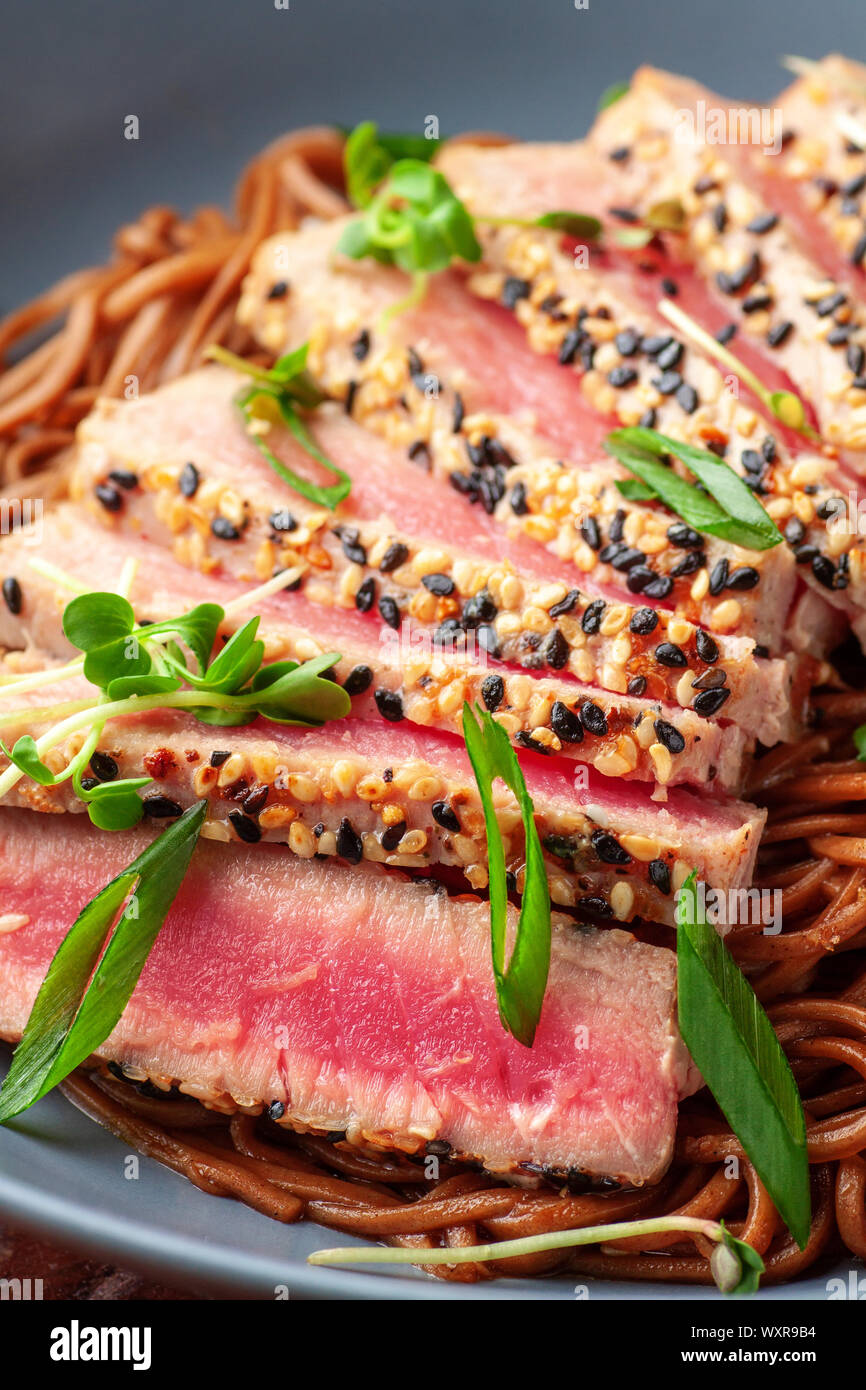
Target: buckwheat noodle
(171, 289)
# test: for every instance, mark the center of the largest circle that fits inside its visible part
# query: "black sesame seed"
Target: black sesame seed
(709, 702)
(478, 609)
(794, 531)
(555, 650)
(622, 376)
(644, 621)
(855, 358)
(669, 654)
(125, 478)
(524, 740)
(745, 577)
(779, 332)
(829, 304)
(492, 692)
(396, 555)
(458, 414)
(349, 402)
(389, 705)
(854, 186)
(710, 680)
(358, 680)
(88, 783)
(608, 848)
(488, 640)
(719, 215)
(655, 344)
(660, 587)
(566, 604)
(687, 398)
(627, 342)
(621, 153)
(513, 290)
(161, 807)
(219, 756)
(839, 335)
(361, 345)
(718, 577)
(349, 844)
(352, 548)
(691, 562)
(365, 596)
(725, 334)
(668, 736)
(600, 906)
(565, 723)
(648, 420)
(108, 496)
(282, 521)
(439, 584)
(245, 828)
(705, 184)
(591, 620)
(224, 530)
(670, 287)
(625, 557)
(12, 595)
(445, 815)
(570, 343)
(667, 383)
(858, 255)
(683, 537)
(763, 223)
(103, 767)
(803, 554)
(615, 529)
(389, 611)
(706, 647)
(590, 532)
(189, 479)
(660, 875)
(593, 719)
(517, 499)
(748, 273)
(256, 800)
(823, 570)
(391, 837)
(638, 578)
(670, 355)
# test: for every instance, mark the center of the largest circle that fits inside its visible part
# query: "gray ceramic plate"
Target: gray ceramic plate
(64, 1176)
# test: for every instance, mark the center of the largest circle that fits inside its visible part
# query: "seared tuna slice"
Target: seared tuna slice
(434, 405)
(689, 400)
(403, 678)
(407, 798)
(516, 602)
(747, 252)
(364, 1004)
(817, 178)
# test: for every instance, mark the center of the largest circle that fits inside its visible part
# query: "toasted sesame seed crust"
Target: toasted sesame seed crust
(481, 605)
(492, 460)
(595, 310)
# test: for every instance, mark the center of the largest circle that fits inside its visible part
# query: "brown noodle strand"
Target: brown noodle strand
(171, 289)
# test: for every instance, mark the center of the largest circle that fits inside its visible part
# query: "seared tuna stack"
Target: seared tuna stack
(328, 957)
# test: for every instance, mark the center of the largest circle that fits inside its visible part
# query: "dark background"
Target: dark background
(213, 80)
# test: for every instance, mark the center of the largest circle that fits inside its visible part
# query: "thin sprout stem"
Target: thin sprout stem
(14, 685)
(420, 280)
(511, 1249)
(59, 576)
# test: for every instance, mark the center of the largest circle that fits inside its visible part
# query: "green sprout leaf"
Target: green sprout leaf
(722, 506)
(97, 965)
(738, 1054)
(520, 985)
